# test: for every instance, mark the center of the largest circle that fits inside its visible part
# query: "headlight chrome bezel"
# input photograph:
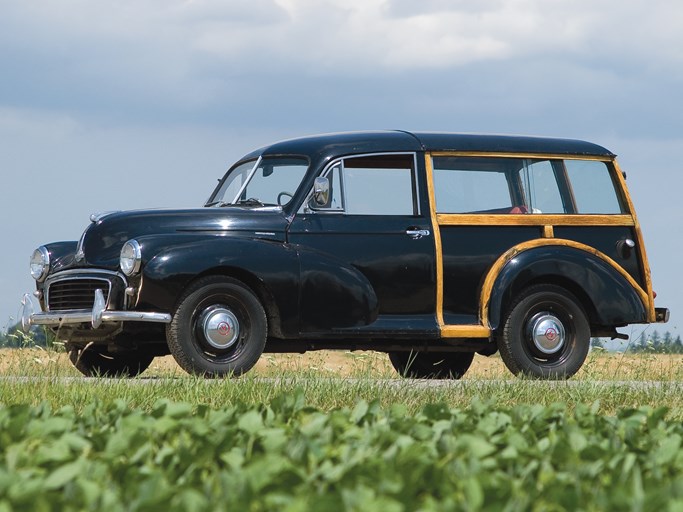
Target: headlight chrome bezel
(130, 259)
(41, 259)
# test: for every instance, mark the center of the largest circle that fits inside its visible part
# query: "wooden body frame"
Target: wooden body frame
(546, 225)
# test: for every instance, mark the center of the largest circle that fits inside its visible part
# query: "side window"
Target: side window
(593, 187)
(372, 185)
(540, 187)
(521, 185)
(474, 185)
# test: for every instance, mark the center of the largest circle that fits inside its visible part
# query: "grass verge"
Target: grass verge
(39, 377)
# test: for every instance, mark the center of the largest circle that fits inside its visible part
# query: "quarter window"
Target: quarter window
(593, 187)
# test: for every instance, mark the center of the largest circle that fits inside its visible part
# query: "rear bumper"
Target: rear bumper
(96, 316)
(661, 315)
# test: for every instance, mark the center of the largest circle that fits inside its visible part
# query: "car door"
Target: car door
(367, 255)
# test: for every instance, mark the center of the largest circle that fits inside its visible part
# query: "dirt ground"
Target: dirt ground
(325, 362)
(598, 366)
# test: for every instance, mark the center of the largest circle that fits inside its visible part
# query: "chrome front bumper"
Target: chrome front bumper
(96, 316)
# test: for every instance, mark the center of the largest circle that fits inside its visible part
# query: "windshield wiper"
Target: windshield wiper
(252, 201)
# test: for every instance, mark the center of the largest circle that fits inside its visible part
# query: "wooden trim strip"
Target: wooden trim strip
(640, 245)
(532, 219)
(465, 331)
(548, 232)
(494, 154)
(437, 240)
(497, 267)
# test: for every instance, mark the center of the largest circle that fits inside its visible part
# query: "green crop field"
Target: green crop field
(340, 433)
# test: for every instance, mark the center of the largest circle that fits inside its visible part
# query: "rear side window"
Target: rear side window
(541, 189)
(522, 185)
(474, 185)
(593, 187)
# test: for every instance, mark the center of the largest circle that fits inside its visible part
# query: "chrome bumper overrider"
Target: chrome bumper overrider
(96, 316)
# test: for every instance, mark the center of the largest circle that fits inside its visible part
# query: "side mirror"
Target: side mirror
(321, 191)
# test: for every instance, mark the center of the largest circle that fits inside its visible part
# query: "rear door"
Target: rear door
(373, 231)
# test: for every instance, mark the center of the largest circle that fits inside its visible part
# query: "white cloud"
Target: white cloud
(173, 37)
(94, 90)
(368, 35)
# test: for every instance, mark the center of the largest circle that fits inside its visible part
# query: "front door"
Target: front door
(368, 255)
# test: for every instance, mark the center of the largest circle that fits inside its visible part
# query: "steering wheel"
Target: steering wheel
(281, 195)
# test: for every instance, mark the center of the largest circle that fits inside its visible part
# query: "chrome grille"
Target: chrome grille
(75, 293)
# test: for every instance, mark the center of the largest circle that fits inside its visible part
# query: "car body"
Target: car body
(427, 246)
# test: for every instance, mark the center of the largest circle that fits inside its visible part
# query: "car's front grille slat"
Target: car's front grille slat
(75, 293)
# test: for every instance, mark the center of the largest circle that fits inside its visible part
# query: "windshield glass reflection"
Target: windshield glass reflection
(269, 181)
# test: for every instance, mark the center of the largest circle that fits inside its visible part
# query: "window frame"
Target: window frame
(415, 186)
(558, 163)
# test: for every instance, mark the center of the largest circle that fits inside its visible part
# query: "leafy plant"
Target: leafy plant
(289, 456)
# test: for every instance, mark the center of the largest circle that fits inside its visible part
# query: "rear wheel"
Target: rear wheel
(545, 334)
(96, 361)
(431, 365)
(219, 328)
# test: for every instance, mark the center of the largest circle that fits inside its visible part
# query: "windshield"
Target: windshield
(269, 181)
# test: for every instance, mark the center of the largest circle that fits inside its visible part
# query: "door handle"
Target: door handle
(416, 234)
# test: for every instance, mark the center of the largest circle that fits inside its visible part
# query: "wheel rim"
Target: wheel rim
(553, 350)
(220, 327)
(547, 333)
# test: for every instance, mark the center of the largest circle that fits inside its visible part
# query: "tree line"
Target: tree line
(653, 343)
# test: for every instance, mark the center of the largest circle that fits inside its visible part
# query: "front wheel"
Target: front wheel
(96, 361)
(545, 334)
(431, 365)
(219, 328)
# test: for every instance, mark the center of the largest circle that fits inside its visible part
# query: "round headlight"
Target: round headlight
(40, 263)
(131, 257)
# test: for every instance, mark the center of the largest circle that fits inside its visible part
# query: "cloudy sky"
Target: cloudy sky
(131, 104)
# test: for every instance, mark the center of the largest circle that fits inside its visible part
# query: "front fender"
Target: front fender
(334, 295)
(171, 263)
(607, 295)
(62, 255)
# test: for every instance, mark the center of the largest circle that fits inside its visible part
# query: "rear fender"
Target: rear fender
(607, 294)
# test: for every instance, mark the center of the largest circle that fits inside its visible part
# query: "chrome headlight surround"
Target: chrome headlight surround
(40, 263)
(131, 258)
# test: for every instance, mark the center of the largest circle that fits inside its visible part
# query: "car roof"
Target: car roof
(333, 145)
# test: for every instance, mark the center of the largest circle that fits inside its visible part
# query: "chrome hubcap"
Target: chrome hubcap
(220, 326)
(547, 333)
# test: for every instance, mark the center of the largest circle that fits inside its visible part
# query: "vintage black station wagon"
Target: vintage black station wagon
(427, 246)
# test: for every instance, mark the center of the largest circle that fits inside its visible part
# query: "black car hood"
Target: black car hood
(102, 241)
